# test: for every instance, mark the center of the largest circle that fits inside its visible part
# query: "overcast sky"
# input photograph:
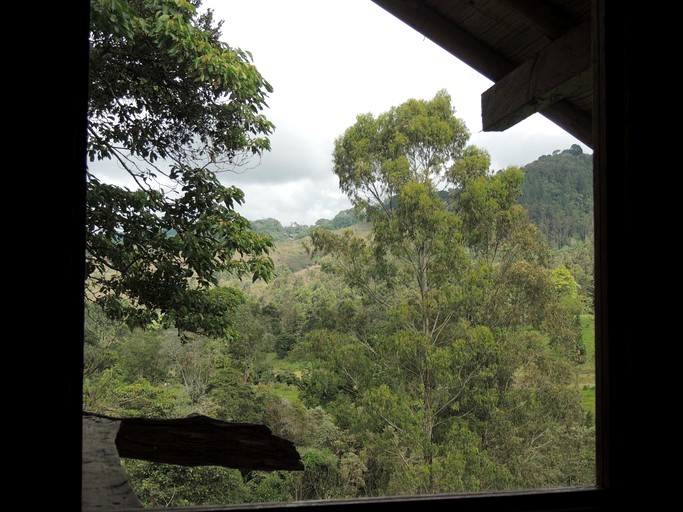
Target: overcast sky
(329, 60)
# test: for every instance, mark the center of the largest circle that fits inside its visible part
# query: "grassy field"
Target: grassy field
(286, 391)
(588, 335)
(291, 255)
(289, 393)
(588, 398)
(283, 365)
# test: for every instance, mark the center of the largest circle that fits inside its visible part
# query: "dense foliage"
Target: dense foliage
(435, 347)
(558, 193)
(274, 229)
(455, 364)
(343, 219)
(435, 351)
(170, 104)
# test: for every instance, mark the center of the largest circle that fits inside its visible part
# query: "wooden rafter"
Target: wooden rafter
(574, 120)
(449, 36)
(554, 73)
(544, 17)
(419, 15)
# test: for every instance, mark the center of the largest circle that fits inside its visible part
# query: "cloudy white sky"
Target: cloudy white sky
(329, 60)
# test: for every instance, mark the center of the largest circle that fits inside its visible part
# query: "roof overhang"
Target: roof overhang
(538, 53)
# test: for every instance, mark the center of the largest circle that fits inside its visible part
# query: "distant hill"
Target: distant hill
(293, 255)
(344, 219)
(275, 229)
(558, 193)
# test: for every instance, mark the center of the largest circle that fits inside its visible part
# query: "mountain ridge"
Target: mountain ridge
(557, 192)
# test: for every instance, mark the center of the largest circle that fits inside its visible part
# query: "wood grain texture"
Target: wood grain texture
(105, 484)
(577, 122)
(544, 17)
(561, 69)
(495, 37)
(192, 441)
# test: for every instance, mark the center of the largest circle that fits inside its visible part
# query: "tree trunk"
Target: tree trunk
(428, 383)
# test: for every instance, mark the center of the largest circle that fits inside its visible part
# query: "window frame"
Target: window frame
(618, 454)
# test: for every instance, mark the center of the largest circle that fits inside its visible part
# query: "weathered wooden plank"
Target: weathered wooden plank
(543, 16)
(105, 484)
(480, 56)
(203, 441)
(561, 69)
(192, 441)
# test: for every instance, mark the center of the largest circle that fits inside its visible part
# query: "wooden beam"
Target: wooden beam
(193, 441)
(437, 27)
(561, 69)
(544, 17)
(479, 56)
(203, 441)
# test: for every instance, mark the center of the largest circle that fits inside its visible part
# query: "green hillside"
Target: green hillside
(295, 231)
(292, 253)
(443, 346)
(558, 193)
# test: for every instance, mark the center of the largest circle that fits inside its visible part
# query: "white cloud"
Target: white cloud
(302, 201)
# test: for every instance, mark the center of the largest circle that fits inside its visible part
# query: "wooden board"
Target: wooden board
(203, 441)
(105, 484)
(553, 74)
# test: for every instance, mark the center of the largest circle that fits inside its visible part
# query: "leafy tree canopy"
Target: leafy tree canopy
(170, 104)
(459, 326)
(564, 281)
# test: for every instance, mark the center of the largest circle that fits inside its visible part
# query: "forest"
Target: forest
(299, 364)
(558, 193)
(438, 337)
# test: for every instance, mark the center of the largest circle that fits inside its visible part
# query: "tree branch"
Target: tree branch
(459, 393)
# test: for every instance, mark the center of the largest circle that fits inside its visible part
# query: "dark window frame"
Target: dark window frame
(620, 455)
